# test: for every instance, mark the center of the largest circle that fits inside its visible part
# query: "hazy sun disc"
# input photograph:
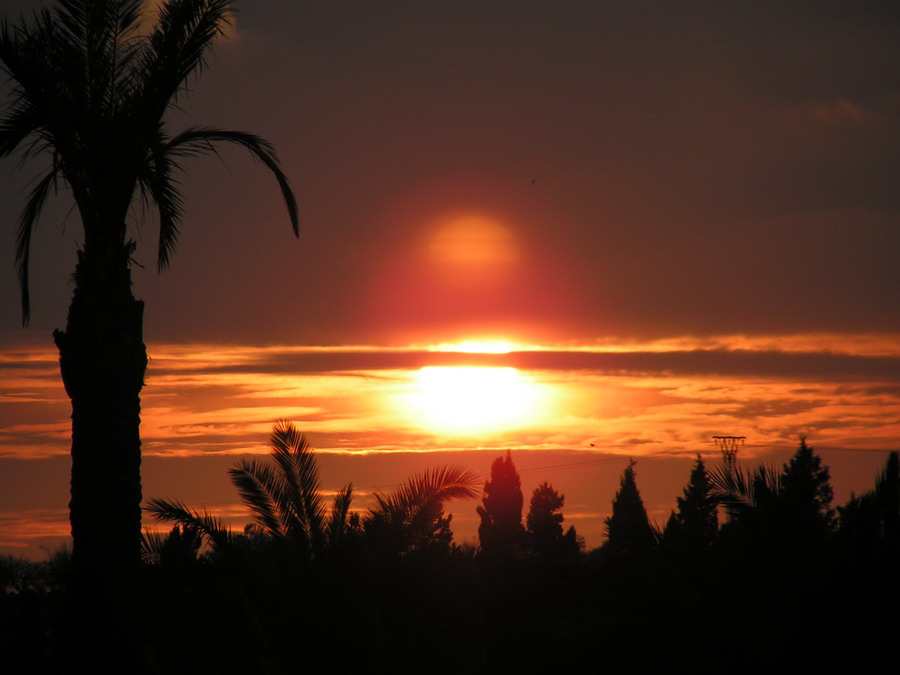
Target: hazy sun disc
(468, 399)
(473, 241)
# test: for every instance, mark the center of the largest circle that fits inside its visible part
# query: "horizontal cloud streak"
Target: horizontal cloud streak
(643, 398)
(699, 360)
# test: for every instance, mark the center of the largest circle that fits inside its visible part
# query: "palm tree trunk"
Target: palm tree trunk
(103, 360)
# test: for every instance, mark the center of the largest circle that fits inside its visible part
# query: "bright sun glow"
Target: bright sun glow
(468, 400)
(476, 347)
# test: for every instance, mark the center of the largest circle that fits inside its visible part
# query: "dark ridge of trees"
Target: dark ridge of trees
(386, 588)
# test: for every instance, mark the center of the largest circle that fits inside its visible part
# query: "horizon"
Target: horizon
(371, 419)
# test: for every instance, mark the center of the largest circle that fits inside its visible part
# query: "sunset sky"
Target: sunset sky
(662, 220)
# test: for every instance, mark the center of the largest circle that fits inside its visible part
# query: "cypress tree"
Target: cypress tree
(544, 523)
(806, 492)
(697, 517)
(629, 528)
(501, 528)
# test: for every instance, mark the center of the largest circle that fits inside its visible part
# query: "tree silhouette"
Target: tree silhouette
(628, 528)
(696, 522)
(179, 549)
(90, 92)
(870, 523)
(806, 490)
(412, 518)
(284, 497)
(544, 523)
(795, 503)
(289, 509)
(746, 493)
(888, 490)
(544, 520)
(780, 529)
(501, 528)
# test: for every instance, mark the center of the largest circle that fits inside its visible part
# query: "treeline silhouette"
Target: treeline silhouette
(754, 570)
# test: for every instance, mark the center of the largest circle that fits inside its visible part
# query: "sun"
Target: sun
(471, 399)
(472, 241)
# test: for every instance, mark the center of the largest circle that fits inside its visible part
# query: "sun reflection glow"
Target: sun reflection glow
(468, 400)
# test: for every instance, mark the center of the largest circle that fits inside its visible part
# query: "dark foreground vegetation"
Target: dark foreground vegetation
(785, 583)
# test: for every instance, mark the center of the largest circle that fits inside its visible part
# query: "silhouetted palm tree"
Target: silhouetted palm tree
(412, 517)
(283, 495)
(90, 92)
(289, 509)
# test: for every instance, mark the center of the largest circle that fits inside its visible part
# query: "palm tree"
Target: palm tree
(284, 497)
(90, 92)
(289, 509)
(412, 517)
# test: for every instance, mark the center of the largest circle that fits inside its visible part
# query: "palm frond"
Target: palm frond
(49, 98)
(739, 491)
(425, 491)
(300, 473)
(151, 547)
(24, 58)
(340, 510)
(289, 450)
(176, 48)
(27, 221)
(209, 526)
(412, 517)
(201, 140)
(256, 484)
(157, 179)
(20, 122)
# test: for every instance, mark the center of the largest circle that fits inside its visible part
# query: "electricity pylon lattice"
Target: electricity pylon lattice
(729, 447)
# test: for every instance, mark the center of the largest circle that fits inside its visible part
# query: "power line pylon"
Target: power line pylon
(729, 447)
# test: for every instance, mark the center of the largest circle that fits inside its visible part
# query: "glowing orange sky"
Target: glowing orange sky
(376, 415)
